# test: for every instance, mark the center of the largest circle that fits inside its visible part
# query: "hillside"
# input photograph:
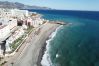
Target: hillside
(6, 4)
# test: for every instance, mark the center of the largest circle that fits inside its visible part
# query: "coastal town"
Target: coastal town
(23, 36)
(15, 26)
(23, 33)
(49, 32)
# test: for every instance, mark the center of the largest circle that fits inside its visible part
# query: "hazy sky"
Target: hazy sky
(63, 4)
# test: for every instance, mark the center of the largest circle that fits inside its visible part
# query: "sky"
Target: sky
(90, 5)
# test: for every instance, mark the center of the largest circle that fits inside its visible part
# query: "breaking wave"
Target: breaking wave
(46, 57)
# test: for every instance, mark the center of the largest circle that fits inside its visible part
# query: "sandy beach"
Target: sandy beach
(32, 52)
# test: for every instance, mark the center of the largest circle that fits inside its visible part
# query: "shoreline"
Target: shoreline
(35, 48)
(43, 49)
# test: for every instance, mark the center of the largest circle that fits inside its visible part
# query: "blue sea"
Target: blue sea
(75, 44)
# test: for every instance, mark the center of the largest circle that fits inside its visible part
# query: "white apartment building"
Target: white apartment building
(1, 51)
(35, 22)
(7, 26)
(19, 13)
(9, 22)
(13, 37)
(4, 31)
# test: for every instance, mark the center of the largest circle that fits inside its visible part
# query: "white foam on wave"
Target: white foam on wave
(46, 57)
(57, 55)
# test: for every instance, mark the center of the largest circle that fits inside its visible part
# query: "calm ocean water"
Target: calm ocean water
(76, 44)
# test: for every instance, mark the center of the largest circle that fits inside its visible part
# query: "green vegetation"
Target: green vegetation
(18, 41)
(1, 58)
(29, 29)
(3, 63)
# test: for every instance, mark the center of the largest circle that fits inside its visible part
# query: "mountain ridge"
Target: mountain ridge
(7, 4)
